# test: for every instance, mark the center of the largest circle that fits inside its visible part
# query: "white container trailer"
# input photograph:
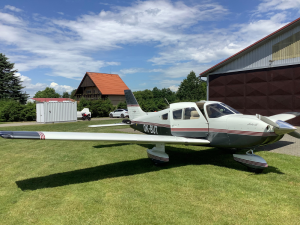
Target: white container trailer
(54, 112)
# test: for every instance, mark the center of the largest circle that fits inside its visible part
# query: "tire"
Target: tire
(255, 170)
(110, 115)
(122, 115)
(89, 118)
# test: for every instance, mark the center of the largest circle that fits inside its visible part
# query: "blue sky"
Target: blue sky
(153, 43)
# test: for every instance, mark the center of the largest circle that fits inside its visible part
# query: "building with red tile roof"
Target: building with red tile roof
(102, 86)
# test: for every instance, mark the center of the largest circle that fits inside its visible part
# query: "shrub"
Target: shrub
(98, 108)
(11, 111)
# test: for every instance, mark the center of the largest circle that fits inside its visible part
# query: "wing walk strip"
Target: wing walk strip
(42, 135)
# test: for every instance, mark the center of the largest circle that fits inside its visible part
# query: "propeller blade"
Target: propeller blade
(295, 134)
(267, 120)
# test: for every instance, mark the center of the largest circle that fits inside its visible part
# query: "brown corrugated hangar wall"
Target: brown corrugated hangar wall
(267, 91)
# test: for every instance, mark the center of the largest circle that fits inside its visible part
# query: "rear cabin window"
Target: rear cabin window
(164, 116)
(177, 114)
(190, 114)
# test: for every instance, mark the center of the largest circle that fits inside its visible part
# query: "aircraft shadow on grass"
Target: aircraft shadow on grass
(178, 157)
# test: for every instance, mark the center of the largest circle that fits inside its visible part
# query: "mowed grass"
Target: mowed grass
(83, 182)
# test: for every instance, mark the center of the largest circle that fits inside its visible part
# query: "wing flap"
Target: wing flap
(116, 137)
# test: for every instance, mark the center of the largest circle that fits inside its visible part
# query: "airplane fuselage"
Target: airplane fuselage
(228, 131)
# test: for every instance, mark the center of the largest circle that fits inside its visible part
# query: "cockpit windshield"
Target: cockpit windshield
(216, 110)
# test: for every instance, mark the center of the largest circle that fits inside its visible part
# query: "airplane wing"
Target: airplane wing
(284, 116)
(109, 125)
(76, 136)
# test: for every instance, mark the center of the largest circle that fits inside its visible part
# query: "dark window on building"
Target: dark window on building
(177, 114)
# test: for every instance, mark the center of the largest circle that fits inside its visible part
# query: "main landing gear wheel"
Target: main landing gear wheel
(122, 115)
(158, 155)
(255, 170)
(110, 115)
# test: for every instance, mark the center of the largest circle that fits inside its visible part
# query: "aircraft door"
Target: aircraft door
(186, 120)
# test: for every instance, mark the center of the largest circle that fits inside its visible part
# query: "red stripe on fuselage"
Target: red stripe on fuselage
(189, 129)
(240, 132)
(133, 105)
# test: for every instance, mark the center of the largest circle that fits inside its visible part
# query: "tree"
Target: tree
(66, 95)
(192, 88)
(72, 95)
(122, 105)
(47, 93)
(10, 84)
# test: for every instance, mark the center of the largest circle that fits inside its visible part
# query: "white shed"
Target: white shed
(54, 112)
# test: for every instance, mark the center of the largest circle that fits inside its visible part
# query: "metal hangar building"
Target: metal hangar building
(263, 78)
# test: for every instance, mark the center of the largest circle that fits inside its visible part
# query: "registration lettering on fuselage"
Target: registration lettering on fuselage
(150, 129)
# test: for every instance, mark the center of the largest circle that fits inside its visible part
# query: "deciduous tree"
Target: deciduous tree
(47, 93)
(192, 88)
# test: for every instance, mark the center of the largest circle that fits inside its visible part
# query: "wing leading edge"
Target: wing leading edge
(76, 136)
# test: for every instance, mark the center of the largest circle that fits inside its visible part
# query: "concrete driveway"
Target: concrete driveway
(287, 145)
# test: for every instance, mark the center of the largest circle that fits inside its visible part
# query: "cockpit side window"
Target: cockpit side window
(190, 113)
(164, 116)
(177, 114)
(217, 110)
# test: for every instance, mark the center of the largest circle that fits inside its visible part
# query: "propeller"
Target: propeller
(267, 120)
(280, 127)
(295, 134)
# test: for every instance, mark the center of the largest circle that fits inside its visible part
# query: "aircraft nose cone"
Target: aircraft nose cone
(284, 128)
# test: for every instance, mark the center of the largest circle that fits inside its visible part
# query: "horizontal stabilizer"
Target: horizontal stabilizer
(115, 137)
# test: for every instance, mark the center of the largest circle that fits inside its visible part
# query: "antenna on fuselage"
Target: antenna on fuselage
(167, 101)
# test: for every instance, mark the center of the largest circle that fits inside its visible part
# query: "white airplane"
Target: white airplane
(191, 123)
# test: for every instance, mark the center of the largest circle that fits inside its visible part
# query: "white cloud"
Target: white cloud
(174, 88)
(31, 88)
(12, 8)
(67, 46)
(270, 5)
(9, 19)
(61, 13)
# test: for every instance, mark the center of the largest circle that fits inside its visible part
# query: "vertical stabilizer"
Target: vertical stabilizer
(134, 110)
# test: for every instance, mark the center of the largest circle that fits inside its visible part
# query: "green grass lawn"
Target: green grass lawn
(69, 182)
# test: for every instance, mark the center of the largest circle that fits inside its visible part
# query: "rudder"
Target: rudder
(134, 110)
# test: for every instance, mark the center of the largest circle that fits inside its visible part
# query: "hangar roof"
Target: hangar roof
(250, 48)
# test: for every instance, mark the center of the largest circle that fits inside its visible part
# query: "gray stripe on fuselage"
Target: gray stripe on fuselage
(189, 134)
(227, 140)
